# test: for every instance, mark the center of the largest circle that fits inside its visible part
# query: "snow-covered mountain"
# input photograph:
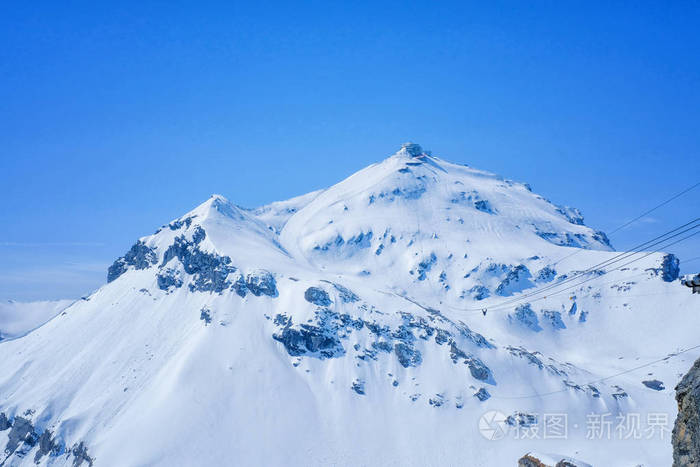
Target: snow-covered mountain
(345, 327)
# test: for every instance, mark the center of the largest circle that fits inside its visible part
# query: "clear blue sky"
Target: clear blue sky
(115, 119)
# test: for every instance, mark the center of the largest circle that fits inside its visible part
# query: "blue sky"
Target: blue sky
(118, 118)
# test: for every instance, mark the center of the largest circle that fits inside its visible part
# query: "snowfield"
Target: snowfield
(346, 327)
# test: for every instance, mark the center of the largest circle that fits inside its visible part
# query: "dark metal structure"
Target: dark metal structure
(692, 282)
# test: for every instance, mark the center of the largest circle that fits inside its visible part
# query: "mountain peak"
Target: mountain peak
(411, 149)
(367, 297)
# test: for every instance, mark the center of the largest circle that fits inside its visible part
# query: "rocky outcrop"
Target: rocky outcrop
(686, 432)
(24, 438)
(539, 460)
(530, 461)
(317, 296)
(670, 268)
(209, 270)
(140, 256)
(261, 282)
(525, 316)
(517, 279)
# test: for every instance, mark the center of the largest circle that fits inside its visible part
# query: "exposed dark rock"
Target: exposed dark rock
(317, 296)
(592, 390)
(554, 319)
(407, 355)
(361, 240)
(337, 242)
(546, 274)
(555, 368)
(368, 354)
(518, 277)
(577, 240)
(23, 437)
(441, 336)
(22, 432)
(495, 268)
(654, 384)
(4, 422)
(525, 316)
(320, 341)
(573, 215)
(383, 346)
(309, 340)
(198, 235)
(240, 287)
(670, 268)
(473, 199)
(167, 278)
(619, 393)
(473, 336)
(139, 256)
(600, 237)
(483, 206)
(426, 265)
(261, 283)
(482, 394)
(522, 419)
(437, 400)
(686, 431)
(47, 446)
(180, 222)
(210, 270)
(117, 268)
(404, 334)
(479, 292)
(476, 367)
(205, 315)
(80, 455)
(413, 191)
(377, 329)
(359, 387)
(346, 295)
(529, 356)
(531, 460)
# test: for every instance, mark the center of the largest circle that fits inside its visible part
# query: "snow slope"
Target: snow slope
(345, 327)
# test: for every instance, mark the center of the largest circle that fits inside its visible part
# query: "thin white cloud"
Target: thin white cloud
(35, 244)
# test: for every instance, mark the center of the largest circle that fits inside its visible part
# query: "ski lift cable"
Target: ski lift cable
(510, 305)
(654, 208)
(605, 272)
(624, 255)
(600, 266)
(632, 221)
(686, 261)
